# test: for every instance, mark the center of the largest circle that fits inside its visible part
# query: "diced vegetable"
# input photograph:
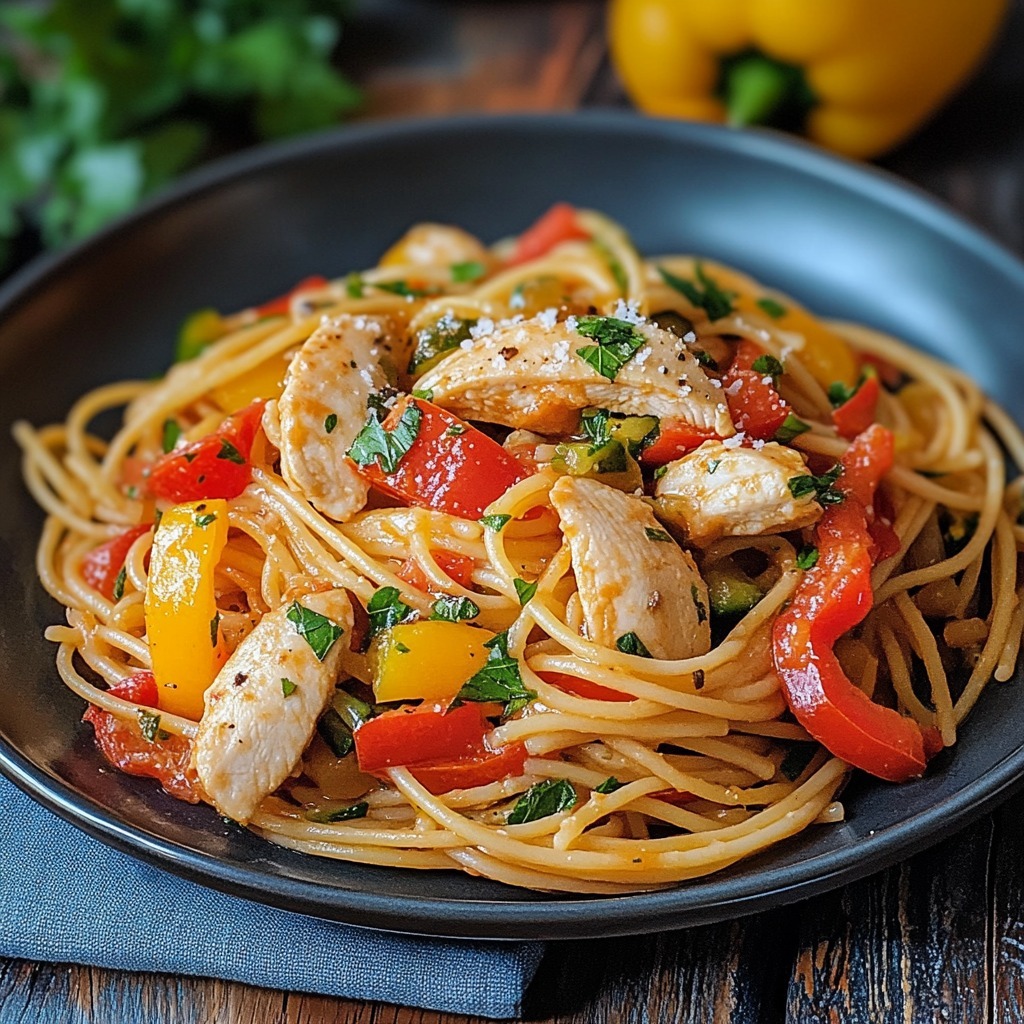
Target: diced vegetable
(583, 687)
(431, 732)
(427, 660)
(675, 439)
(159, 756)
(281, 305)
(200, 330)
(182, 622)
(265, 380)
(459, 471)
(102, 566)
(215, 466)
(857, 413)
(558, 225)
(339, 722)
(731, 594)
(475, 770)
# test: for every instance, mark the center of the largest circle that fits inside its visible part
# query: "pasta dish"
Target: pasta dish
(543, 560)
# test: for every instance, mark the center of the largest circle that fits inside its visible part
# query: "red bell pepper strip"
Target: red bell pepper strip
(477, 770)
(121, 742)
(756, 407)
(413, 735)
(450, 466)
(458, 567)
(857, 413)
(834, 597)
(281, 305)
(102, 565)
(215, 466)
(675, 439)
(584, 687)
(557, 225)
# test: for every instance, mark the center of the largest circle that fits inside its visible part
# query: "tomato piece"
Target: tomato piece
(458, 567)
(478, 770)
(675, 438)
(102, 565)
(450, 466)
(557, 225)
(756, 408)
(215, 466)
(834, 597)
(857, 413)
(281, 305)
(412, 735)
(745, 354)
(121, 742)
(583, 687)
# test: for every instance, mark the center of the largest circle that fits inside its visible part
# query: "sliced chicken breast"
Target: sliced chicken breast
(718, 491)
(531, 375)
(323, 407)
(262, 707)
(631, 576)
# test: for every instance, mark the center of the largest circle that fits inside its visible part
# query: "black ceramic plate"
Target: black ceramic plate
(847, 241)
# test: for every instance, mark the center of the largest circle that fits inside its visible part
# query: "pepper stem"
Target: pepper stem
(757, 89)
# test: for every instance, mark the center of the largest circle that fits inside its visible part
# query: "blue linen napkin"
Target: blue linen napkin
(67, 898)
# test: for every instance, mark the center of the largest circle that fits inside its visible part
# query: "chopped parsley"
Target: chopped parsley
(617, 342)
(330, 422)
(594, 423)
(840, 393)
(495, 522)
(524, 590)
(659, 535)
(230, 452)
(499, 680)
(434, 341)
(402, 288)
(386, 447)
(171, 433)
(791, 427)
(214, 627)
(552, 796)
(807, 557)
(609, 785)
(630, 643)
(341, 814)
(702, 611)
(425, 395)
(704, 294)
(386, 609)
(205, 519)
(822, 487)
(774, 309)
(768, 365)
(288, 687)
(354, 286)
(471, 270)
(149, 723)
(317, 630)
(401, 648)
(455, 430)
(119, 583)
(662, 470)
(454, 609)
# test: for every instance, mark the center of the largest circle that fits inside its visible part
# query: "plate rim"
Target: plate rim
(547, 917)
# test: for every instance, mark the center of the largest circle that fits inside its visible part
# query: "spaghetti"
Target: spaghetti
(543, 561)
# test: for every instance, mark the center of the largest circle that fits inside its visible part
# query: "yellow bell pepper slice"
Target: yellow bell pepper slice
(182, 622)
(264, 380)
(429, 659)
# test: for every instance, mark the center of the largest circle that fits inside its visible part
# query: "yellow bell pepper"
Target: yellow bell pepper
(182, 622)
(430, 659)
(264, 380)
(857, 75)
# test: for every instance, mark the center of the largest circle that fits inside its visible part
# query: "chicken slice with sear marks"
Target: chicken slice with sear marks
(323, 407)
(262, 707)
(531, 375)
(631, 576)
(718, 491)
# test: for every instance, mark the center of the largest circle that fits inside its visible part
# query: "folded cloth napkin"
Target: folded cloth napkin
(66, 898)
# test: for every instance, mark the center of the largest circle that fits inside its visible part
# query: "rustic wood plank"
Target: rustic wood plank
(1007, 894)
(909, 945)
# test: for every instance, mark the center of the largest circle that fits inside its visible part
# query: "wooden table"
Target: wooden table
(939, 938)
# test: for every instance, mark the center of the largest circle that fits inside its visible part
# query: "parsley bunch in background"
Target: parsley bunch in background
(102, 101)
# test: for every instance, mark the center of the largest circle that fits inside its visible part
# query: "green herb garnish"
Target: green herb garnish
(288, 687)
(454, 609)
(499, 680)
(524, 590)
(807, 557)
(471, 270)
(630, 643)
(341, 814)
(402, 288)
(330, 422)
(768, 365)
(354, 286)
(214, 627)
(149, 723)
(774, 309)
(317, 630)
(822, 487)
(617, 342)
(495, 522)
(230, 452)
(659, 535)
(386, 609)
(552, 796)
(609, 785)
(704, 294)
(337, 725)
(171, 433)
(386, 447)
(205, 519)
(119, 583)
(792, 426)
